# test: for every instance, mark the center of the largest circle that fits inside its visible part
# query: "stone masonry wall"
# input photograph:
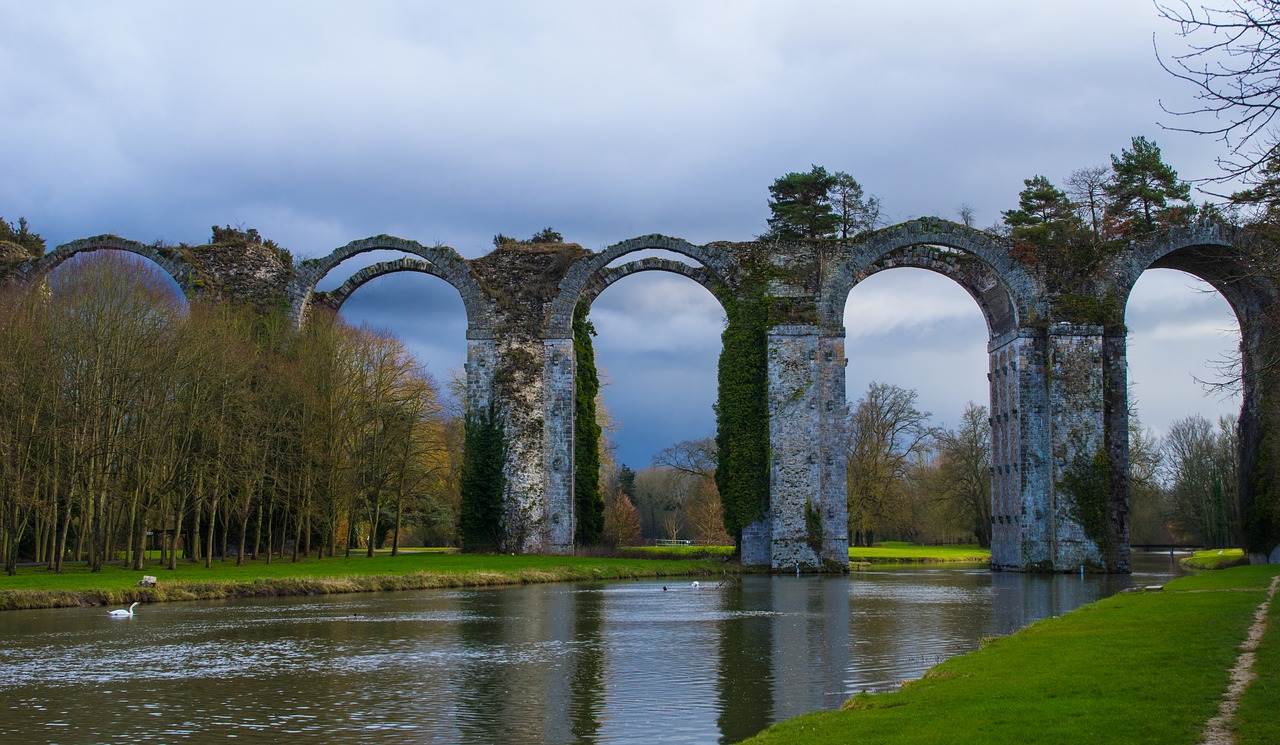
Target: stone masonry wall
(1009, 368)
(808, 504)
(558, 434)
(1077, 433)
(796, 443)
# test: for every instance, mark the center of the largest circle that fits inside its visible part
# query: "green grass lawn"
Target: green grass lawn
(1258, 718)
(1134, 668)
(683, 551)
(37, 587)
(1215, 558)
(891, 552)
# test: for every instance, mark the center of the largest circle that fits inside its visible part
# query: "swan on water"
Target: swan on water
(122, 613)
(695, 584)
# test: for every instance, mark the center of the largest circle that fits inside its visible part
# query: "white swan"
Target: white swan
(695, 584)
(121, 613)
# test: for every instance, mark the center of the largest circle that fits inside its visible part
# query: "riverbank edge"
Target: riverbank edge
(177, 591)
(926, 710)
(856, 561)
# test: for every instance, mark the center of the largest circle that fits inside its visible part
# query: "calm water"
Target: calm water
(615, 662)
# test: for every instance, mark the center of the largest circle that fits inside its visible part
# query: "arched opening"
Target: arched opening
(918, 442)
(1183, 354)
(140, 269)
(657, 347)
(422, 311)
(654, 253)
(392, 296)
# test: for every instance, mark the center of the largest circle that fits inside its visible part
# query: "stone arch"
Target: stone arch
(977, 261)
(1006, 294)
(1220, 256)
(1209, 251)
(167, 259)
(439, 261)
(607, 276)
(590, 275)
(336, 298)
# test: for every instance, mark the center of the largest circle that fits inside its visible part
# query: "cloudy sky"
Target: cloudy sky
(319, 123)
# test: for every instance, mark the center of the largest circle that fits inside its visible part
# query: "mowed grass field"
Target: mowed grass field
(891, 552)
(38, 588)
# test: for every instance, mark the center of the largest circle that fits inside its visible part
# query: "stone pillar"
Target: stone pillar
(1017, 389)
(807, 514)
(559, 365)
(833, 418)
(1077, 436)
(482, 358)
(533, 382)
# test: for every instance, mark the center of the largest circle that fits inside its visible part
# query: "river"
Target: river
(617, 662)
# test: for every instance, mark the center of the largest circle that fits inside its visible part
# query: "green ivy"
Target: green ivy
(742, 413)
(813, 528)
(1087, 484)
(588, 502)
(1104, 310)
(483, 482)
(1262, 517)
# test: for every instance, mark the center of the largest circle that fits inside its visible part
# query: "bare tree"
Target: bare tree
(1232, 60)
(694, 457)
(886, 434)
(964, 471)
(1086, 187)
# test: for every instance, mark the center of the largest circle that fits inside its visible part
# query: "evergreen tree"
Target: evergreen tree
(627, 480)
(483, 482)
(1141, 187)
(1044, 216)
(587, 499)
(21, 236)
(801, 207)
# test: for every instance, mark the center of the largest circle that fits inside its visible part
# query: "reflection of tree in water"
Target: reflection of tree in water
(745, 679)
(483, 684)
(587, 691)
(507, 690)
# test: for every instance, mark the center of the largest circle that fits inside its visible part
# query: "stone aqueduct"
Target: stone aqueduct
(1058, 387)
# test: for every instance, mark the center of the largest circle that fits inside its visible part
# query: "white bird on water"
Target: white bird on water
(122, 613)
(695, 584)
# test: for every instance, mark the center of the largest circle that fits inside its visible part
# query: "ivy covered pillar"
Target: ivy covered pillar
(531, 383)
(806, 519)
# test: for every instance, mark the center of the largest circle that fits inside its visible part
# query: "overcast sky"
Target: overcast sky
(320, 123)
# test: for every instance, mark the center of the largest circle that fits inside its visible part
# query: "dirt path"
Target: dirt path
(1218, 730)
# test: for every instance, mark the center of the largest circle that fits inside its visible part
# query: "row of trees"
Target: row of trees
(217, 429)
(1101, 206)
(910, 480)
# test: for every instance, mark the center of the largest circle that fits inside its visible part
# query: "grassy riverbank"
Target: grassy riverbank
(1144, 667)
(891, 552)
(39, 588)
(1215, 558)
